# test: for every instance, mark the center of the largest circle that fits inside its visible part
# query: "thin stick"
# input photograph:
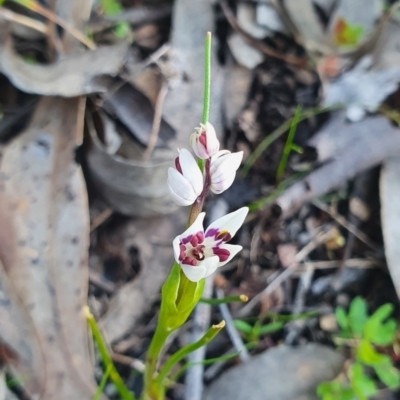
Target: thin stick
(39, 9)
(23, 20)
(322, 237)
(156, 121)
(101, 218)
(207, 79)
(346, 224)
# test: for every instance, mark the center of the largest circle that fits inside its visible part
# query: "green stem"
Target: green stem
(207, 79)
(228, 299)
(277, 133)
(184, 351)
(115, 377)
(288, 145)
(156, 345)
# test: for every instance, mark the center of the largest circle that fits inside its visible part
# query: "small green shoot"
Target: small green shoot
(363, 333)
(105, 356)
(114, 7)
(289, 146)
(228, 299)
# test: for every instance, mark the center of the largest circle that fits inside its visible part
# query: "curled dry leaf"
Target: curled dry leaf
(43, 252)
(130, 186)
(78, 74)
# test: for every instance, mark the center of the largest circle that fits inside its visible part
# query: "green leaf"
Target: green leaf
(368, 355)
(357, 315)
(362, 385)
(388, 374)
(179, 296)
(380, 332)
(121, 30)
(341, 319)
(111, 7)
(270, 328)
(334, 391)
(242, 326)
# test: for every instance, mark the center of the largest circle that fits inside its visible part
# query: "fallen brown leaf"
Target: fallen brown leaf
(43, 251)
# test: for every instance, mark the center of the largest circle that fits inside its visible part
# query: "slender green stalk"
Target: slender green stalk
(184, 351)
(257, 205)
(226, 357)
(277, 133)
(207, 79)
(153, 354)
(102, 384)
(288, 145)
(228, 299)
(115, 377)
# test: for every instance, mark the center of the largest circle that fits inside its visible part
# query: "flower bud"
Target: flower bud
(204, 141)
(223, 169)
(185, 182)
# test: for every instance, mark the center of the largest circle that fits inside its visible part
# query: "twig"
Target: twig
(99, 281)
(134, 363)
(23, 20)
(300, 62)
(231, 330)
(320, 238)
(295, 327)
(39, 9)
(346, 224)
(194, 375)
(156, 121)
(100, 219)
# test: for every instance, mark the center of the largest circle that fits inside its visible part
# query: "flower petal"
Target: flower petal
(194, 273)
(225, 165)
(218, 187)
(177, 199)
(211, 264)
(233, 250)
(230, 222)
(180, 187)
(175, 246)
(196, 227)
(191, 171)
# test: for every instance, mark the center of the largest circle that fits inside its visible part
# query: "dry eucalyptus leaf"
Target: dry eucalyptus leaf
(43, 250)
(390, 216)
(78, 74)
(347, 149)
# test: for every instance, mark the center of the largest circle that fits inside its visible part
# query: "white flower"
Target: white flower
(204, 141)
(223, 169)
(201, 252)
(185, 183)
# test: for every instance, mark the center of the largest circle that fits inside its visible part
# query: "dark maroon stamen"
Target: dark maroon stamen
(224, 236)
(178, 165)
(222, 254)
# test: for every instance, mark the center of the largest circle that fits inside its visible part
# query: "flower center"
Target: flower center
(192, 249)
